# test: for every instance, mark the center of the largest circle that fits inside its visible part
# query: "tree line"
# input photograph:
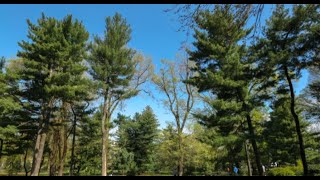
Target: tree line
(250, 115)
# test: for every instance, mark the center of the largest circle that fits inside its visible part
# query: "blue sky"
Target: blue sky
(154, 34)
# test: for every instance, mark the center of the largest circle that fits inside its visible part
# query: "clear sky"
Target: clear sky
(154, 34)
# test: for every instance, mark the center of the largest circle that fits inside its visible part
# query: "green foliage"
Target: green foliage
(199, 157)
(287, 170)
(2, 63)
(314, 169)
(137, 136)
(110, 59)
(282, 171)
(89, 145)
(225, 70)
(53, 75)
(49, 90)
(288, 46)
(124, 163)
(310, 98)
(13, 165)
(53, 60)
(8, 104)
(280, 133)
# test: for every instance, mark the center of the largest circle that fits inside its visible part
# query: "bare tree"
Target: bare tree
(179, 97)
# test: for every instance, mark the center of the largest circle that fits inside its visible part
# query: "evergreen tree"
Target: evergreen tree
(80, 116)
(311, 95)
(19, 128)
(88, 145)
(118, 73)
(288, 47)
(53, 62)
(138, 136)
(144, 143)
(280, 134)
(225, 70)
(9, 108)
(8, 85)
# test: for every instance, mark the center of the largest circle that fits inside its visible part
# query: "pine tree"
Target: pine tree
(19, 128)
(9, 108)
(118, 72)
(280, 134)
(146, 135)
(8, 86)
(53, 62)
(138, 136)
(288, 47)
(88, 146)
(225, 70)
(314, 92)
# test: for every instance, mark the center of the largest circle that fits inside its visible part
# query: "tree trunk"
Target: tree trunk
(54, 149)
(248, 158)
(252, 136)
(72, 163)
(42, 162)
(25, 162)
(297, 123)
(104, 140)
(180, 169)
(1, 146)
(104, 152)
(254, 145)
(38, 151)
(62, 158)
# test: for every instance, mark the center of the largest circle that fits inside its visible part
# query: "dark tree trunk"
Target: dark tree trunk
(252, 136)
(248, 158)
(297, 123)
(1, 146)
(25, 162)
(254, 145)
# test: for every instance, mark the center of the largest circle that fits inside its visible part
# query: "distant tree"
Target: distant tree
(9, 106)
(137, 136)
(88, 143)
(280, 133)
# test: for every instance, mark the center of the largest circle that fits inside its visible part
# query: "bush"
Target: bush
(287, 170)
(298, 169)
(282, 171)
(314, 169)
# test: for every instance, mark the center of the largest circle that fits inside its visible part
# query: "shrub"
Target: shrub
(287, 170)
(314, 169)
(282, 171)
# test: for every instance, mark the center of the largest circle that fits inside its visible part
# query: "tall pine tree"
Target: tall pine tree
(118, 72)
(289, 46)
(225, 70)
(53, 62)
